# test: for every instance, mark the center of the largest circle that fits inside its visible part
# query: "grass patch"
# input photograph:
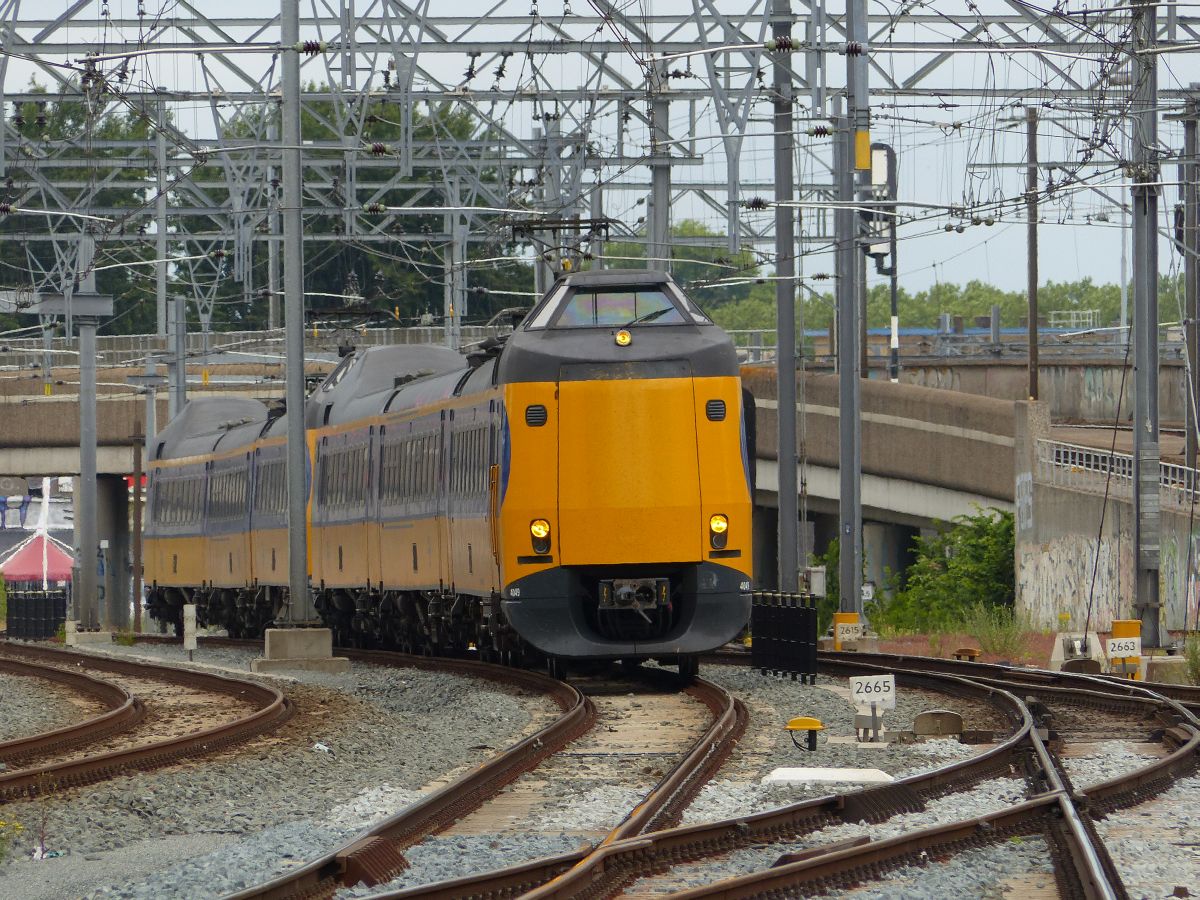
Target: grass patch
(1191, 650)
(999, 629)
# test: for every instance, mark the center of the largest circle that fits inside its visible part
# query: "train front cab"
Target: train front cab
(625, 502)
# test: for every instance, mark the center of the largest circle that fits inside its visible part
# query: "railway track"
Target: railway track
(1082, 864)
(1053, 809)
(377, 855)
(1042, 708)
(133, 735)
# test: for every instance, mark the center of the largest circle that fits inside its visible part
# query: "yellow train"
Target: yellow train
(580, 489)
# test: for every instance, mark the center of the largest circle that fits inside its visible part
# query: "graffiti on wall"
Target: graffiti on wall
(1056, 578)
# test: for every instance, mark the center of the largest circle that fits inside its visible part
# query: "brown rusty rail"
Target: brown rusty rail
(1083, 865)
(611, 865)
(272, 710)
(377, 855)
(123, 712)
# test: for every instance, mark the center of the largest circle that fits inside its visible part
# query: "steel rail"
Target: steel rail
(1083, 864)
(603, 871)
(123, 712)
(272, 710)
(376, 855)
(1089, 870)
(1185, 694)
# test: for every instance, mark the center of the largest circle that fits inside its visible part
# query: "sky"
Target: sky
(952, 151)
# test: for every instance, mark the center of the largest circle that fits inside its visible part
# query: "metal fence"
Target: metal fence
(754, 345)
(1091, 470)
(783, 630)
(132, 349)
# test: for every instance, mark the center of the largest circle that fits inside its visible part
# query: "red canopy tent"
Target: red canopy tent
(39, 558)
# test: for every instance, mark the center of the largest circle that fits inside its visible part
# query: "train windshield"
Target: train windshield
(619, 306)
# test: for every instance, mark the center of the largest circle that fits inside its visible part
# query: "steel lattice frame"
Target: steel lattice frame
(611, 122)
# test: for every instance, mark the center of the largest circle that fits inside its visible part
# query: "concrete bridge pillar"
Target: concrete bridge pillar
(887, 550)
(109, 610)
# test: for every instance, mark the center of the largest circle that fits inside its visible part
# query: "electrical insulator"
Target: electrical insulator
(756, 203)
(781, 44)
(819, 131)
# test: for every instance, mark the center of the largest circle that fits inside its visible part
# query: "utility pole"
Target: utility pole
(1187, 172)
(1031, 232)
(81, 305)
(849, 382)
(543, 272)
(1145, 172)
(300, 606)
(272, 239)
(658, 250)
(596, 212)
(160, 219)
(1124, 269)
(855, 139)
(785, 302)
(864, 347)
(177, 367)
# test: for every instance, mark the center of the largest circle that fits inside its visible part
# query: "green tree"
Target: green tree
(967, 562)
(698, 262)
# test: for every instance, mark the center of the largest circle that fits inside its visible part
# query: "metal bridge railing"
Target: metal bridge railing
(1087, 469)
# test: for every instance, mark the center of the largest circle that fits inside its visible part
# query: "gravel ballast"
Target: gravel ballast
(772, 702)
(1017, 866)
(1154, 844)
(1108, 759)
(361, 746)
(31, 705)
(988, 796)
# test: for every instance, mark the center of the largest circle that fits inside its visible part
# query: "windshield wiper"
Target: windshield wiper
(648, 317)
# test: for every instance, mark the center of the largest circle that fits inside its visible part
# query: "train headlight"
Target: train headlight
(718, 531)
(539, 530)
(624, 338)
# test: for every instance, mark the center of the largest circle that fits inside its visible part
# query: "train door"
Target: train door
(494, 450)
(371, 528)
(445, 545)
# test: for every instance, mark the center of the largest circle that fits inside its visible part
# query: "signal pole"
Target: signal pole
(1145, 320)
(1031, 232)
(854, 165)
(785, 302)
(300, 607)
(1187, 171)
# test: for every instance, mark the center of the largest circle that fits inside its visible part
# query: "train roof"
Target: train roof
(209, 424)
(611, 277)
(369, 378)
